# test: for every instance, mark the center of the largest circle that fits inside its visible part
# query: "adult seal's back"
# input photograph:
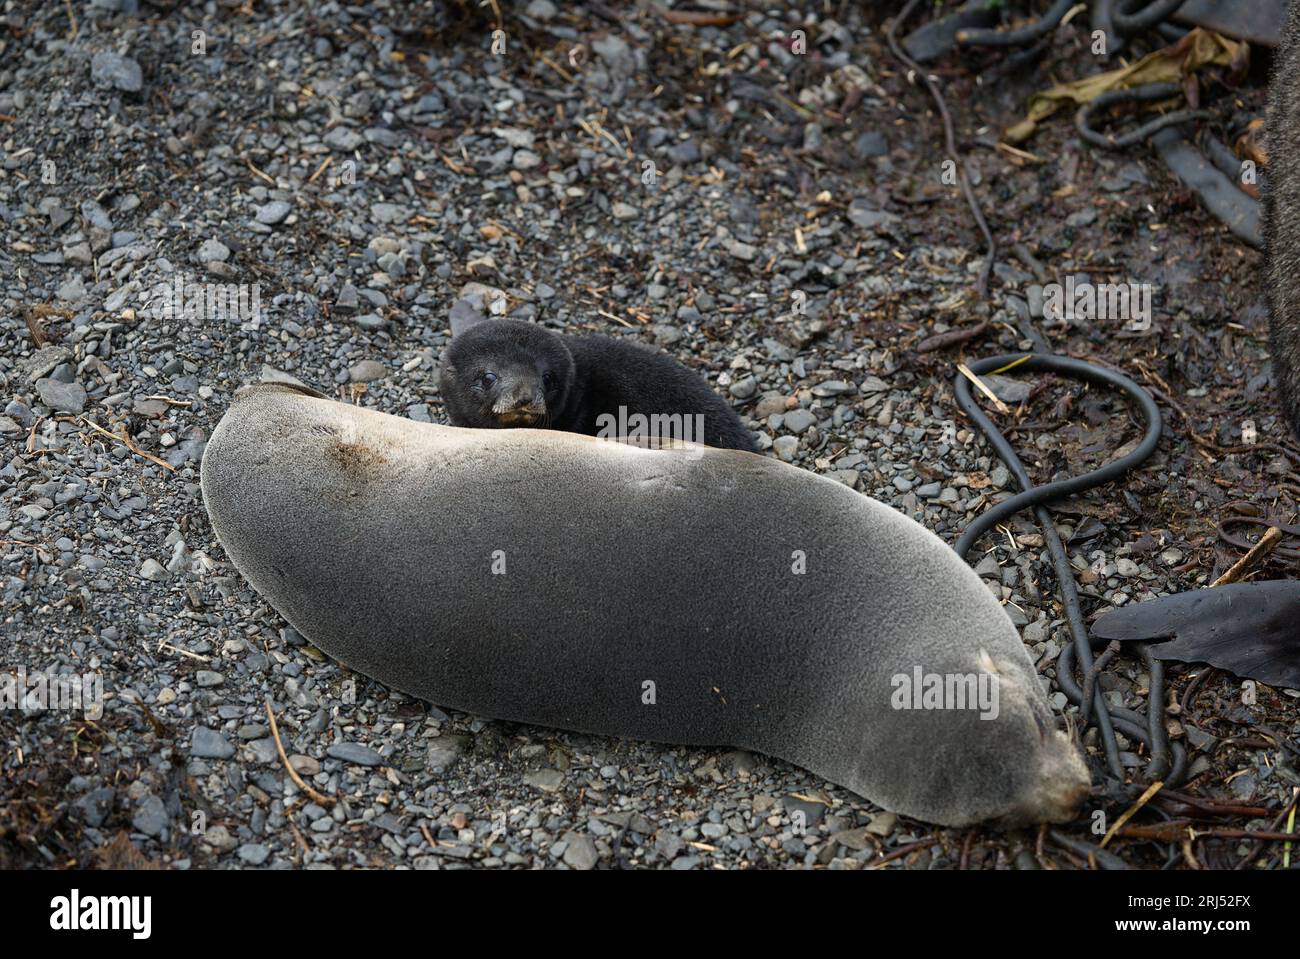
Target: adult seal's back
(693, 596)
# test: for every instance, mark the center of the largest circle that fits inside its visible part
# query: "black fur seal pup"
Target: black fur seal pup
(694, 596)
(1282, 219)
(509, 373)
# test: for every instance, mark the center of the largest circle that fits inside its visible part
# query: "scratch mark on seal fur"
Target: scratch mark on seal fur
(661, 481)
(358, 461)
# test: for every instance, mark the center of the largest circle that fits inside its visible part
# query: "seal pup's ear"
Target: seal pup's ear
(464, 316)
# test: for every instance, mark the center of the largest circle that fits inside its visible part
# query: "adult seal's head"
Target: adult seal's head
(708, 597)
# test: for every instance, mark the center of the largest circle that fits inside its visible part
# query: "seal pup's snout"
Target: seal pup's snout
(531, 401)
(524, 406)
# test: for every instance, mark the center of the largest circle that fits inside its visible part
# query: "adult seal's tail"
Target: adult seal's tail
(709, 597)
(1282, 218)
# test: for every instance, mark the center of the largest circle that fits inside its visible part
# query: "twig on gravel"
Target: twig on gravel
(568, 77)
(125, 438)
(1259, 835)
(950, 142)
(169, 401)
(1258, 553)
(1132, 810)
(596, 130)
(256, 172)
(31, 434)
(617, 319)
(964, 370)
(34, 328)
(941, 341)
(320, 169)
(1174, 830)
(306, 850)
(319, 798)
(184, 652)
(1169, 799)
(1018, 154)
(903, 851)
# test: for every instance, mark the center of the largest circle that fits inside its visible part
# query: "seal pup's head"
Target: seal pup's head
(504, 373)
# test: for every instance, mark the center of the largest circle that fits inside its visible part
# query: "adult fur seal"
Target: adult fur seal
(508, 373)
(1282, 218)
(698, 597)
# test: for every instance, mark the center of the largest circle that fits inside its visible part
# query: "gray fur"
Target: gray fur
(1282, 218)
(374, 536)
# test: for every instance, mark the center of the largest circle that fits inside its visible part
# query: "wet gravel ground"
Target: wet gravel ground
(776, 220)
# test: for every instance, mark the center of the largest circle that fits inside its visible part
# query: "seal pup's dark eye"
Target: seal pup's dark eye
(486, 380)
(548, 379)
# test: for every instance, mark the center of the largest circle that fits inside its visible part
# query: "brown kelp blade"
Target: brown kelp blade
(1249, 629)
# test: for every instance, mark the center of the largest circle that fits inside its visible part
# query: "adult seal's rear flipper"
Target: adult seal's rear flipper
(699, 597)
(1250, 629)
